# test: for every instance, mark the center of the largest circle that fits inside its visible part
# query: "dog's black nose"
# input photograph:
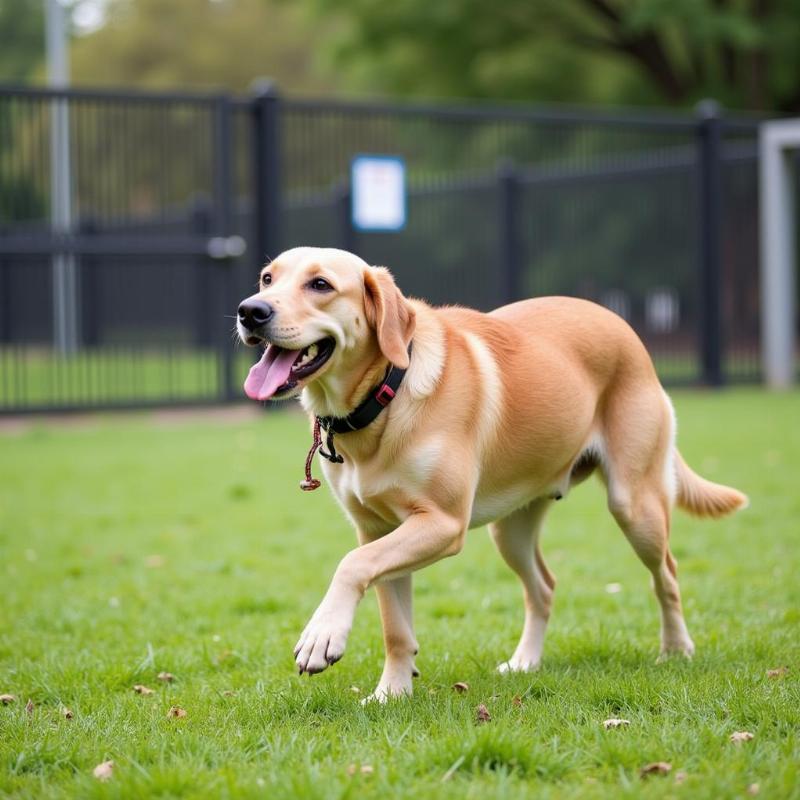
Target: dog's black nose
(255, 313)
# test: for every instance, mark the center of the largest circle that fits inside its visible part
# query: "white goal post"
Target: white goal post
(777, 140)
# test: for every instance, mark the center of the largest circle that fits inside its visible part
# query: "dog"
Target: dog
(473, 419)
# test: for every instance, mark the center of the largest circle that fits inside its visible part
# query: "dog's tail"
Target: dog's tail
(704, 498)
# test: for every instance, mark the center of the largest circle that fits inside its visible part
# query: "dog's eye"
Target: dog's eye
(320, 285)
(266, 279)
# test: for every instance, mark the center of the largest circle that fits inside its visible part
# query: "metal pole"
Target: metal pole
(710, 219)
(65, 278)
(267, 172)
(344, 204)
(223, 223)
(778, 240)
(508, 190)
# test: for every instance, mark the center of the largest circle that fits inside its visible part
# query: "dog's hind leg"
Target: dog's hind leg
(517, 539)
(639, 472)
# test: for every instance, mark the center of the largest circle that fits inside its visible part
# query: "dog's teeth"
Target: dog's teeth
(310, 353)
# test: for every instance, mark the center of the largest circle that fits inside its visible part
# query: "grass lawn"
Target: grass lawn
(129, 546)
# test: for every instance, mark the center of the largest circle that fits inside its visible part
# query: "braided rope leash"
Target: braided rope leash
(309, 484)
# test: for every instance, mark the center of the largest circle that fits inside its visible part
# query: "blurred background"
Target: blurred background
(167, 148)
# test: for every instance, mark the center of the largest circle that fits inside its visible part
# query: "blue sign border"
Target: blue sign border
(373, 157)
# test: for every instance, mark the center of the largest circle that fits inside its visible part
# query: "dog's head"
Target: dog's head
(322, 313)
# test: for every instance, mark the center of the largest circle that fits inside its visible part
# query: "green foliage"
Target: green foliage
(19, 199)
(245, 558)
(21, 38)
(747, 54)
(206, 44)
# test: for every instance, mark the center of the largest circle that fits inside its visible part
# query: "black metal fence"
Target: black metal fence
(127, 298)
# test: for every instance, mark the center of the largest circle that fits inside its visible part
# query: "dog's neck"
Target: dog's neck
(337, 394)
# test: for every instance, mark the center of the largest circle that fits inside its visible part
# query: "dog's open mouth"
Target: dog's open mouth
(280, 370)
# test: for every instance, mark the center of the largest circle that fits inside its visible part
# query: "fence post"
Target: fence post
(508, 229)
(90, 267)
(709, 161)
(223, 226)
(347, 234)
(267, 173)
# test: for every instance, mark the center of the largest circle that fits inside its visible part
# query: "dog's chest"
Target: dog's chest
(386, 488)
(372, 503)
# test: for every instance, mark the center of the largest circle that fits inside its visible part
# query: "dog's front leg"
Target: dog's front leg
(425, 537)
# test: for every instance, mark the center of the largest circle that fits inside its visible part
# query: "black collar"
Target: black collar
(378, 398)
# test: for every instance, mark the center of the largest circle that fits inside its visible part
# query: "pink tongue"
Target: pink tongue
(271, 372)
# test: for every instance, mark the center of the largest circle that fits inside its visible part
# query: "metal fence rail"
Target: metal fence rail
(653, 215)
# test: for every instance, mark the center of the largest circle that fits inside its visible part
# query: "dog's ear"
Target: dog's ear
(389, 313)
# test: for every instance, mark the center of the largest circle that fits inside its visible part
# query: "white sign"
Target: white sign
(379, 193)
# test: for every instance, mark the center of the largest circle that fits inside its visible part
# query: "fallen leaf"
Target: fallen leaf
(753, 789)
(680, 777)
(229, 693)
(29, 706)
(176, 711)
(364, 769)
(615, 723)
(104, 771)
(613, 588)
(741, 736)
(483, 714)
(142, 689)
(167, 677)
(516, 700)
(154, 562)
(656, 768)
(67, 713)
(461, 687)
(778, 672)
(355, 690)
(5, 699)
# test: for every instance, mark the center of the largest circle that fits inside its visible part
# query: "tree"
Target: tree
(744, 52)
(201, 44)
(22, 35)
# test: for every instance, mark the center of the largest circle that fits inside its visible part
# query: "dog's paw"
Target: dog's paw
(384, 693)
(680, 648)
(322, 643)
(515, 664)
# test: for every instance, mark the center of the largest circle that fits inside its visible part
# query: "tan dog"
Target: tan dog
(497, 415)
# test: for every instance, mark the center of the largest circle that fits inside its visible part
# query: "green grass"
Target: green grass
(86, 613)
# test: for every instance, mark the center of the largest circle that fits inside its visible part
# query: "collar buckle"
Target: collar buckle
(384, 395)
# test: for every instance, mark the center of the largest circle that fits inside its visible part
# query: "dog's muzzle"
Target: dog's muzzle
(254, 314)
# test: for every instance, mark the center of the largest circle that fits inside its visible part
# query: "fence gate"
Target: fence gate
(123, 216)
(111, 294)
